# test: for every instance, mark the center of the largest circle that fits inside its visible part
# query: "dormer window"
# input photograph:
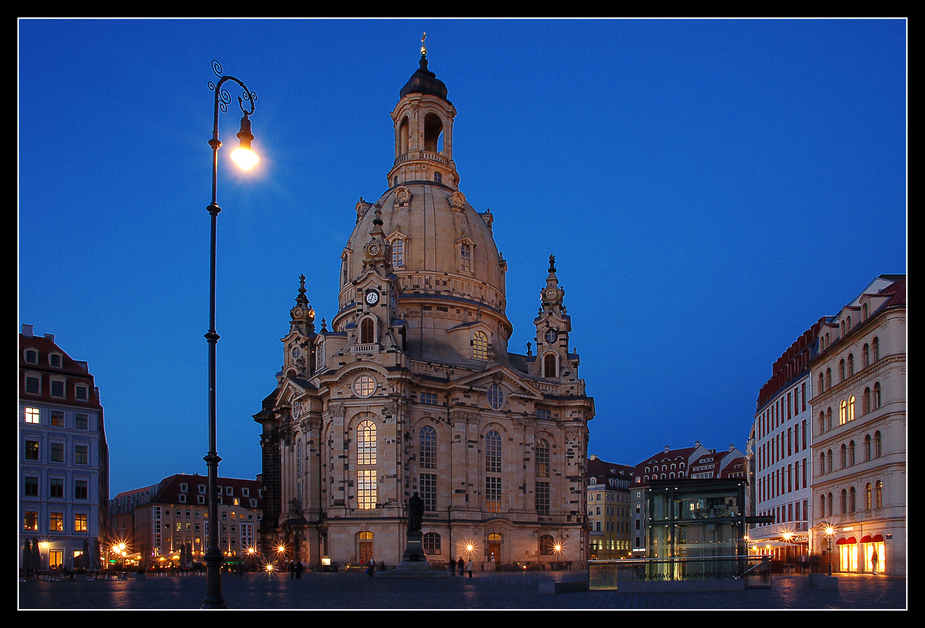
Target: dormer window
(54, 359)
(31, 356)
(480, 345)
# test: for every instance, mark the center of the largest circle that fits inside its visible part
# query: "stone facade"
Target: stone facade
(413, 389)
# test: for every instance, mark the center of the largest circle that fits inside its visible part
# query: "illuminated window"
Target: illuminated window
(364, 385)
(366, 469)
(32, 450)
(366, 489)
(30, 520)
(480, 345)
(542, 458)
(366, 443)
(33, 415)
(80, 522)
(56, 522)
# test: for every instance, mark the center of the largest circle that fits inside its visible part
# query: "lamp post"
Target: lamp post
(213, 556)
(829, 531)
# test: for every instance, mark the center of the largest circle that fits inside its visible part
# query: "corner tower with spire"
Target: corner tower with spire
(413, 388)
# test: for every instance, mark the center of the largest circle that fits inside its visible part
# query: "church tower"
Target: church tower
(413, 389)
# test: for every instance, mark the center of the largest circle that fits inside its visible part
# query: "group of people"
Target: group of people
(461, 567)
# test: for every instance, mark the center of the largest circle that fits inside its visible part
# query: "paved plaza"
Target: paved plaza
(485, 591)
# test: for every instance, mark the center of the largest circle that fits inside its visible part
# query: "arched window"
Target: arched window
(867, 452)
(878, 494)
(367, 331)
(493, 471)
(828, 378)
(480, 345)
(850, 364)
(366, 465)
(852, 497)
(841, 370)
(878, 445)
(850, 416)
(433, 132)
(541, 462)
(875, 401)
(549, 366)
(404, 135)
(865, 401)
(465, 257)
(865, 356)
(876, 349)
(868, 503)
(843, 505)
(844, 456)
(428, 448)
(842, 412)
(398, 252)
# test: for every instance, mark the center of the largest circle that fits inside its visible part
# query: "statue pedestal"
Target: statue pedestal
(414, 562)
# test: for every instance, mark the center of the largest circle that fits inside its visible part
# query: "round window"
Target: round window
(495, 396)
(364, 385)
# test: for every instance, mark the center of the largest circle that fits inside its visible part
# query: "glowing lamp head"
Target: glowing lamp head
(243, 155)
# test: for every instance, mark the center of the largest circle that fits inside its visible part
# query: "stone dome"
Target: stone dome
(444, 260)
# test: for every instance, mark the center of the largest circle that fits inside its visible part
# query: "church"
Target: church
(412, 389)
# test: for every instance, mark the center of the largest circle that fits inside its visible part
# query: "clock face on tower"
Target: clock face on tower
(372, 297)
(551, 335)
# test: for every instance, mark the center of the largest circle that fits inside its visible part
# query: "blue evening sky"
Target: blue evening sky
(710, 189)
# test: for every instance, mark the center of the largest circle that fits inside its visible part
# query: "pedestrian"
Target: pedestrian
(371, 569)
(452, 567)
(461, 566)
(298, 569)
(291, 570)
(469, 567)
(873, 559)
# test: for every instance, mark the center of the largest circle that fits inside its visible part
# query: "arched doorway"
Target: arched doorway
(364, 547)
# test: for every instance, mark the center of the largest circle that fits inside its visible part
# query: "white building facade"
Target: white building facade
(63, 457)
(859, 432)
(781, 458)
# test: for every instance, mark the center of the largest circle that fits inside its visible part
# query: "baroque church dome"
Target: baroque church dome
(442, 251)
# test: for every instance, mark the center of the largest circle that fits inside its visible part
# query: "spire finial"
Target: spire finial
(552, 263)
(423, 47)
(301, 284)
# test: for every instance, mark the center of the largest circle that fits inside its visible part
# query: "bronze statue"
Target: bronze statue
(415, 512)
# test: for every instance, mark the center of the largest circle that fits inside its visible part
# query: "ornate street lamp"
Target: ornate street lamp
(213, 557)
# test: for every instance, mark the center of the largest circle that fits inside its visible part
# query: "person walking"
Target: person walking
(461, 566)
(469, 567)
